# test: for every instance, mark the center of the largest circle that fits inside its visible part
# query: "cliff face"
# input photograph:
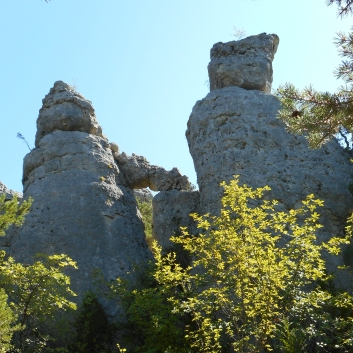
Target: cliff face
(83, 205)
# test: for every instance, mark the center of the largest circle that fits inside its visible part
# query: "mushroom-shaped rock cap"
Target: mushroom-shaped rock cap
(67, 110)
(245, 63)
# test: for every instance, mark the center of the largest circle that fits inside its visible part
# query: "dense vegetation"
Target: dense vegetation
(257, 283)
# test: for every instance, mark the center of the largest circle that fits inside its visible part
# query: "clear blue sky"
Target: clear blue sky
(143, 64)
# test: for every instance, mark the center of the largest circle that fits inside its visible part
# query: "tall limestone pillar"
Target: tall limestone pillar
(82, 203)
(234, 131)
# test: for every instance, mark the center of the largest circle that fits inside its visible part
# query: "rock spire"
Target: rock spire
(84, 205)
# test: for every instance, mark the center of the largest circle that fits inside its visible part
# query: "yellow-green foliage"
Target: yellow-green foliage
(146, 210)
(252, 283)
(7, 323)
(12, 213)
(37, 294)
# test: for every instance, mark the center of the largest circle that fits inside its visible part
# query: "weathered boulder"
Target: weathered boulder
(67, 110)
(82, 204)
(235, 131)
(140, 174)
(143, 195)
(246, 63)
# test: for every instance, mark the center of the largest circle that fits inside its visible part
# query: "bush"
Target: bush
(37, 294)
(252, 285)
(7, 323)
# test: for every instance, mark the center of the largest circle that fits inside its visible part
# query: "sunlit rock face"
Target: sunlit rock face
(83, 206)
(234, 131)
(245, 63)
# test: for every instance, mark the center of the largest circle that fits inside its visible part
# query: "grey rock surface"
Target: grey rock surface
(140, 174)
(234, 131)
(171, 210)
(144, 195)
(67, 110)
(246, 63)
(82, 205)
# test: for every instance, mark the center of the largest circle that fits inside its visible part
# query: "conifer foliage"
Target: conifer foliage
(322, 115)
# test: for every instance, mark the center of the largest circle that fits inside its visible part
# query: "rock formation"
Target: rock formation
(171, 210)
(144, 195)
(140, 174)
(82, 186)
(234, 131)
(246, 63)
(83, 205)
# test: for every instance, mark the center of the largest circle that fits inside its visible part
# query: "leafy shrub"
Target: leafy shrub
(7, 323)
(37, 294)
(252, 285)
(34, 297)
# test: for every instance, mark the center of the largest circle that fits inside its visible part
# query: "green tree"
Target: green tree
(322, 115)
(94, 333)
(31, 296)
(7, 323)
(12, 212)
(37, 294)
(252, 285)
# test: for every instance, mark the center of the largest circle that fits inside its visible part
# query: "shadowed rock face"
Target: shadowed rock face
(171, 210)
(82, 204)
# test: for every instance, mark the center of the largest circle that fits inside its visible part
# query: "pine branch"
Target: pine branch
(317, 115)
(345, 7)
